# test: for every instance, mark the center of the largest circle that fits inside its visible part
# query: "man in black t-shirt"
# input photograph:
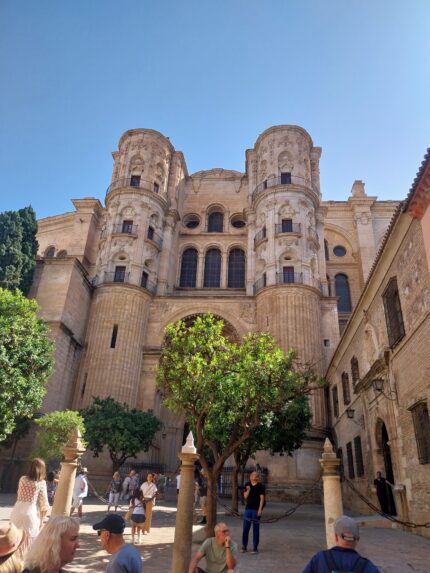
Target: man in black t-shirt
(254, 495)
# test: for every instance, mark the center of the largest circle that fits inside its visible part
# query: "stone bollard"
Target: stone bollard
(184, 516)
(72, 451)
(333, 507)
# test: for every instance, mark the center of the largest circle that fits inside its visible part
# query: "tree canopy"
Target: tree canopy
(226, 391)
(55, 431)
(18, 249)
(26, 359)
(123, 431)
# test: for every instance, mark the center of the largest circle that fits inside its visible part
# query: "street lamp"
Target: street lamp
(378, 386)
(350, 413)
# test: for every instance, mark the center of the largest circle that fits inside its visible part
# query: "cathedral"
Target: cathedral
(260, 249)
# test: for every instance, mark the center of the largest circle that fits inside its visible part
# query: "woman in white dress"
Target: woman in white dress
(149, 490)
(31, 501)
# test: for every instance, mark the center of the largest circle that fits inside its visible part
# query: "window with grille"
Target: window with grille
(287, 225)
(50, 252)
(345, 389)
(216, 222)
(355, 371)
(119, 275)
(144, 279)
(358, 457)
(420, 417)
(150, 233)
(393, 313)
(335, 398)
(127, 226)
(212, 274)
(135, 181)
(285, 178)
(189, 268)
(350, 459)
(236, 269)
(288, 274)
(341, 285)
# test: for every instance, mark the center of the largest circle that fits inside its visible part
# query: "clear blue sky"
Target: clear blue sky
(211, 75)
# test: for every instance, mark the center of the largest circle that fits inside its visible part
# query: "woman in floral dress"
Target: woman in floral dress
(31, 501)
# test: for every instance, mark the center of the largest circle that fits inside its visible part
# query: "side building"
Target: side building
(379, 375)
(259, 249)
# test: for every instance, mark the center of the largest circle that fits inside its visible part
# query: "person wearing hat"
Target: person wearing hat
(342, 557)
(125, 557)
(11, 539)
(80, 490)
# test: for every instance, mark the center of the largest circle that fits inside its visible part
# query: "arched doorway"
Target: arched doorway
(384, 444)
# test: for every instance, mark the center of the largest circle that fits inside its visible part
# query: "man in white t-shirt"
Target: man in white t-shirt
(80, 490)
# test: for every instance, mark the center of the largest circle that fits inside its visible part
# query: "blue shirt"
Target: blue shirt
(125, 560)
(344, 559)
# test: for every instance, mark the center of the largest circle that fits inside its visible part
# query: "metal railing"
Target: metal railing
(128, 182)
(274, 181)
(116, 277)
(285, 228)
(155, 238)
(126, 229)
(260, 235)
(289, 278)
(260, 283)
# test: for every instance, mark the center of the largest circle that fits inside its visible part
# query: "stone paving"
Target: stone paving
(285, 545)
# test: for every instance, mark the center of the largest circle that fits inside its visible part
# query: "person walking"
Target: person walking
(149, 490)
(125, 558)
(114, 491)
(382, 493)
(343, 556)
(254, 495)
(138, 515)
(31, 501)
(80, 491)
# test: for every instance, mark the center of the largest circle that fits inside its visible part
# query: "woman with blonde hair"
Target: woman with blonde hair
(114, 491)
(54, 547)
(31, 501)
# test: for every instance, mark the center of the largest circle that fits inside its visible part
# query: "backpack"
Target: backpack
(358, 566)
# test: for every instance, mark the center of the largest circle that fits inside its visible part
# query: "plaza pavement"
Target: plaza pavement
(285, 545)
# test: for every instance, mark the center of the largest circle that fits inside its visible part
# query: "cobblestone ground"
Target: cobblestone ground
(285, 545)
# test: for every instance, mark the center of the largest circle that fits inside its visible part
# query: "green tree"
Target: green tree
(18, 249)
(280, 432)
(55, 431)
(224, 390)
(26, 359)
(124, 432)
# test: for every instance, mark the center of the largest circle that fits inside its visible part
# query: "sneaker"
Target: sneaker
(254, 552)
(243, 550)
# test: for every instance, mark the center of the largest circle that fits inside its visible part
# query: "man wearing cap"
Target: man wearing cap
(80, 490)
(125, 558)
(342, 557)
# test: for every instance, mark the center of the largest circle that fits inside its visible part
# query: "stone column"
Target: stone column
(333, 507)
(72, 451)
(184, 516)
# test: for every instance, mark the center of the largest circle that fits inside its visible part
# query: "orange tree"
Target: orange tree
(224, 390)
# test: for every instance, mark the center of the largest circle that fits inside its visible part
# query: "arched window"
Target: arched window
(236, 269)
(216, 222)
(326, 250)
(61, 254)
(50, 252)
(341, 286)
(355, 371)
(188, 268)
(212, 269)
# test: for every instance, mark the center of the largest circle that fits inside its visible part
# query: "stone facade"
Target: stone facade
(260, 249)
(380, 372)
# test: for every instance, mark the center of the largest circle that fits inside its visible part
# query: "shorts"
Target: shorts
(77, 502)
(138, 518)
(113, 498)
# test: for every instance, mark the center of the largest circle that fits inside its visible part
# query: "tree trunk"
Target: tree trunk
(211, 503)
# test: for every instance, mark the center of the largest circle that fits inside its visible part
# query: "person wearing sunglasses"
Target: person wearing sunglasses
(219, 551)
(125, 558)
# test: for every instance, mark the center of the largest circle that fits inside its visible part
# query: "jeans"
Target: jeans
(251, 518)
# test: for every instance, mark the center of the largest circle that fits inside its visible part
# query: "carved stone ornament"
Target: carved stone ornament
(247, 312)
